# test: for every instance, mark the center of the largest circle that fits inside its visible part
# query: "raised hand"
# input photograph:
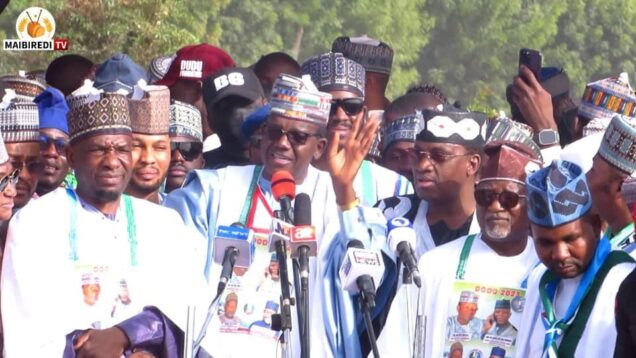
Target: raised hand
(533, 101)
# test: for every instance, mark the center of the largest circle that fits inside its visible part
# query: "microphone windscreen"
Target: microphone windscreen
(302, 210)
(283, 184)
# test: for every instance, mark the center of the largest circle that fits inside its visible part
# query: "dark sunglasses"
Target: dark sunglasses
(295, 138)
(189, 150)
(59, 143)
(351, 106)
(507, 199)
(9, 179)
(417, 156)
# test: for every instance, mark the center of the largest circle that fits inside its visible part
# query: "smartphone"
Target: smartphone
(532, 60)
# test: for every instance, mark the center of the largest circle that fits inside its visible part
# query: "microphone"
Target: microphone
(233, 246)
(360, 270)
(284, 190)
(402, 239)
(303, 235)
(280, 230)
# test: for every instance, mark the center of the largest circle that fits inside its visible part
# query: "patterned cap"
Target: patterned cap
(468, 297)
(19, 121)
(298, 98)
(93, 112)
(447, 124)
(506, 129)
(119, 74)
(26, 87)
(605, 98)
(334, 72)
(619, 144)
(185, 120)
(374, 55)
(557, 194)
(159, 67)
(507, 160)
(53, 109)
(403, 129)
(150, 114)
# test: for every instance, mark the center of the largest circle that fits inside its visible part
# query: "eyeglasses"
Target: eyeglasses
(295, 138)
(59, 143)
(189, 150)
(32, 167)
(351, 106)
(507, 199)
(9, 179)
(437, 157)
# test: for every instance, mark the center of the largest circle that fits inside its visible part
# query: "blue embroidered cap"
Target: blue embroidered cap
(119, 74)
(53, 109)
(255, 120)
(557, 194)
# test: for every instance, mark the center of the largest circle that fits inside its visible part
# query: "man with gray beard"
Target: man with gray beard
(478, 271)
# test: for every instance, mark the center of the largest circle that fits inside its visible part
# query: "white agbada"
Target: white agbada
(438, 268)
(47, 294)
(374, 182)
(599, 335)
(211, 198)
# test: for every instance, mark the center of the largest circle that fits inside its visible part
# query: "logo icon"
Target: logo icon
(35, 23)
(35, 28)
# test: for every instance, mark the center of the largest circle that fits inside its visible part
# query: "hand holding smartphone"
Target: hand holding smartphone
(532, 60)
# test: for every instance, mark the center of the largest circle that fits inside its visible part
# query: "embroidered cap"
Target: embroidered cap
(19, 121)
(159, 67)
(26, 88)
(507, 160)
(185, 120)
(150, 114)
(298, 98)
(603, 99)
(557, 194)
(119, 74)
(403, 129)
(334, 72)
(505, 129)
(450, 125)
(52, 109)
(468, 297)
(618, 146)
(93, 112)
(374, 55)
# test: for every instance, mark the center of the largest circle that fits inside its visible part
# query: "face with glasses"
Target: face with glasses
(26, 157)
(53, 145)
(347, 111)
(151, 158)
(501, 208)
(185, 156)
(289, 144)
(8, 180)
(441, 170)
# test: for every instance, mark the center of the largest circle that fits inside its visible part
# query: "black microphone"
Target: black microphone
(303, 235)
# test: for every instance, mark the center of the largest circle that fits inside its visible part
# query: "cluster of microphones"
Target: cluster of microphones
(292, 233)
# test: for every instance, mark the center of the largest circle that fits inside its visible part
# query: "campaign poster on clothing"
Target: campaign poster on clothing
(483, 321)
(252, 296)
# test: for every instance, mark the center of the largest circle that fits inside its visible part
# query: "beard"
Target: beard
(499, 231)
(107, 196)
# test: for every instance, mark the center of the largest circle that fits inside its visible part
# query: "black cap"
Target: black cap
(237, 81)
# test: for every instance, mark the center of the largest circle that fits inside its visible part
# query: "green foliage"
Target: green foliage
(469, 48)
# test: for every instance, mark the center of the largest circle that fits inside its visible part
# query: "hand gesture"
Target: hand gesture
(533, 101)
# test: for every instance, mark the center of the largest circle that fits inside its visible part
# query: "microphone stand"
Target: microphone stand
(283, 321)
(367, 303)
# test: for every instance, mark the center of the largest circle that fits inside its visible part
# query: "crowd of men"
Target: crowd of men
(122, 186)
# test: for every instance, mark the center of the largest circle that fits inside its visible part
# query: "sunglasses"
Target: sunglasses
(9, 179)
(418, 156)
(507, 199)
(351, 106)
(59, 143)
(295, 138)
(188, 150)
